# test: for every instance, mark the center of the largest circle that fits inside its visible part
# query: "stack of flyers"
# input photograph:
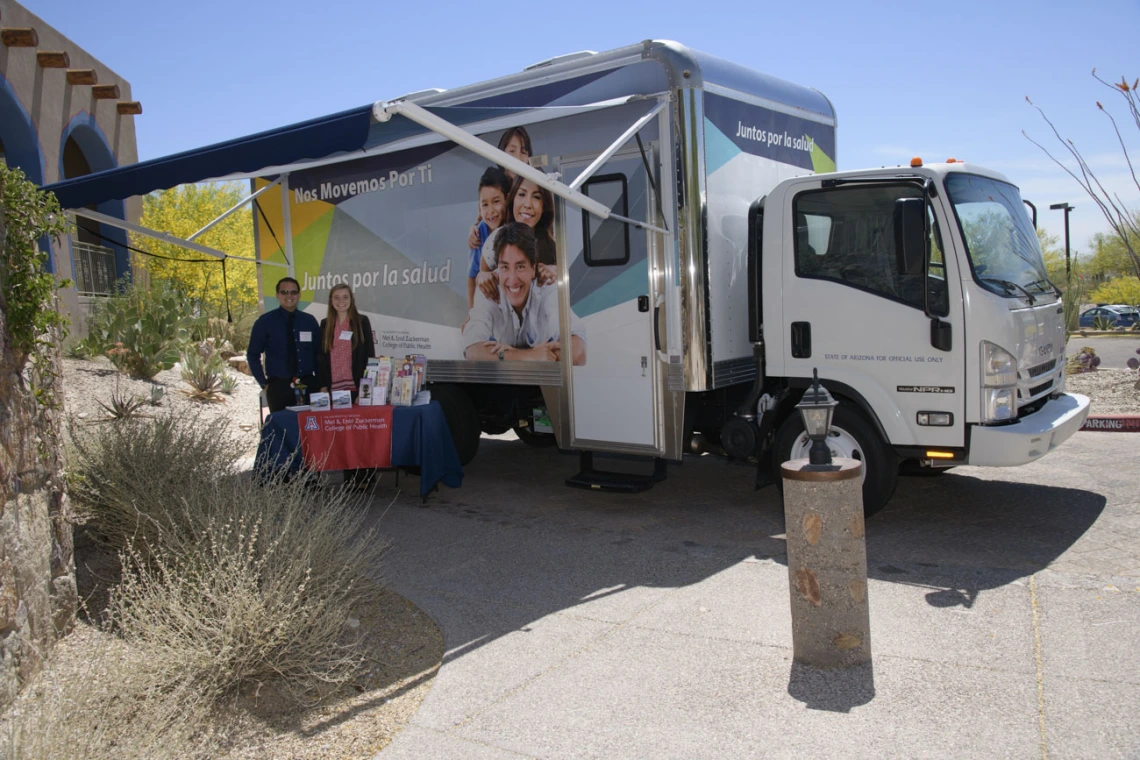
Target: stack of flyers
(319, 402)
(382, 380)
(402, 392)
(342, 399)
(418, 364)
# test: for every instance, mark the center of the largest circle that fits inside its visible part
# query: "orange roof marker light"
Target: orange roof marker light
(916, 161)
(954, 161)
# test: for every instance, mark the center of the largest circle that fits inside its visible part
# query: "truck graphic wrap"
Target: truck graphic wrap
(395, 227)
(748, 150)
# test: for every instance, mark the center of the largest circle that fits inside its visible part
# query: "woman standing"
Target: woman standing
(345, 346)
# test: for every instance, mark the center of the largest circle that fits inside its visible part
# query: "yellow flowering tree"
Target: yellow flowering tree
(184, 210)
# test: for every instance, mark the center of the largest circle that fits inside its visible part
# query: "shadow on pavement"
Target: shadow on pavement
(514, 545)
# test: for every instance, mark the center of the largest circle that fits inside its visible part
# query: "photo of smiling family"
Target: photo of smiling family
(512, 270)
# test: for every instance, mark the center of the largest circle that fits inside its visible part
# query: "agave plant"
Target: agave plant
(121, 406)
(203, 374)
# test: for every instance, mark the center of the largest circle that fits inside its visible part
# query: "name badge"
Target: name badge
(346, 334)
(306, 337)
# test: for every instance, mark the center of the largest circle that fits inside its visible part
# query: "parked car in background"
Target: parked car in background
(1114, 316)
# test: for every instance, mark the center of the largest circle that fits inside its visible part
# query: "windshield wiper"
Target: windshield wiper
(1011, 287)
(1046, 281)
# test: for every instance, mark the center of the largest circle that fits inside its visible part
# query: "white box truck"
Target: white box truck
(647, 252)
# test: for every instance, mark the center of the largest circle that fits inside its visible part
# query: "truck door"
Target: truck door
(856, 310)
(613, 395)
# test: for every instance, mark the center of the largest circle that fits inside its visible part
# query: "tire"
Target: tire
(533, 439)
(462, 419)
(852, 436)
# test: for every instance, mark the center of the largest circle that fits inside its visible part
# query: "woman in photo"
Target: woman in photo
(523, 325)
(532, 205)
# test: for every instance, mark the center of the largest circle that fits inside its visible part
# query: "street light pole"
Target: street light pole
(1066, 208)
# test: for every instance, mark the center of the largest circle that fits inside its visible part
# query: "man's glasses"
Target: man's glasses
(288, 292)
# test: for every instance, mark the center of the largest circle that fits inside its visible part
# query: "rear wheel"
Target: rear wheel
(852, 436)
(462, 419)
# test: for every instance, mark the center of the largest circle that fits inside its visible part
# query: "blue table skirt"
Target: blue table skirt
(420, 438)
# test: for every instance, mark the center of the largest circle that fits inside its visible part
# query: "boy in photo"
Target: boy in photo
(494, 186)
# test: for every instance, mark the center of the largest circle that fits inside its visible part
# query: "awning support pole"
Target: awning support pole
(165, 237)
(616, 146)
(288, 223)
(238, 205)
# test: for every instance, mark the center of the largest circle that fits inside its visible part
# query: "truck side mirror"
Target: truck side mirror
(910, 235)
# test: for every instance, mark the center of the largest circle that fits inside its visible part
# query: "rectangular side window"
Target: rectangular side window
(606, 241)
(846, 234)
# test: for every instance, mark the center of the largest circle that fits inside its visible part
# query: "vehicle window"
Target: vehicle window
(846, 235)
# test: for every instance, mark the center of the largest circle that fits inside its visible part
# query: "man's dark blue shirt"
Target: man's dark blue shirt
(270, 336)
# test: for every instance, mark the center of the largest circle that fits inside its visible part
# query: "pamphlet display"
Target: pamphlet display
(319, 402)
(364, 397)
(342, 399)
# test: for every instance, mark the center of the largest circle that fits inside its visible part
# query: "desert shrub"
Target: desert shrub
(1084, 360)
(94, 699)
(262, 589)
(124, 475)
(142, 329)
(203, 371)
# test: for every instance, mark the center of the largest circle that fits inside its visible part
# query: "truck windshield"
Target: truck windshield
(1000, 240)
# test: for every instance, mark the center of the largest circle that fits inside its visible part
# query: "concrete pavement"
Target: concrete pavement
(1005, 610)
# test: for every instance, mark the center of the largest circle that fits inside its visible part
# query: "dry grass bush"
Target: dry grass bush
(93, 700)
(265, 589)
(126, 473)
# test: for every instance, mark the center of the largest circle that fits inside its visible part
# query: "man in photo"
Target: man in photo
(524, 324)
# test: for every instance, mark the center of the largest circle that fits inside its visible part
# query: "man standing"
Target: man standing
(288, 338)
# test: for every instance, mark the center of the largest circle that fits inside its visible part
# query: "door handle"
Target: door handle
(801, 340)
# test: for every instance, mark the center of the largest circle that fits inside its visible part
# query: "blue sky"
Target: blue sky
(931, 79)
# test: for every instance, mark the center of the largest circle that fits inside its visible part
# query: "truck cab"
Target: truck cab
(920, 295)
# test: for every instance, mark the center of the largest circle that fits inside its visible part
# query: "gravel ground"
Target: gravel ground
(1112, 391)
(88, 382)
(403, 646)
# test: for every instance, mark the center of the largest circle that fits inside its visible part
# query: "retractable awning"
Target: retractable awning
(344, 136)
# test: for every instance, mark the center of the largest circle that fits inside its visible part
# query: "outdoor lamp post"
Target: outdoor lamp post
(1066, 208)
(817, 408)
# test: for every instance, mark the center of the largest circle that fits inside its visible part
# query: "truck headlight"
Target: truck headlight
(998, 404)
(999, 367)
(999, 383)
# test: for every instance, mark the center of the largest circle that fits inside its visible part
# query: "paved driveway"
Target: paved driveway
(1005, 610)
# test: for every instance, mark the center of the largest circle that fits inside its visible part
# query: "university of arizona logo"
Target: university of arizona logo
(311, 423)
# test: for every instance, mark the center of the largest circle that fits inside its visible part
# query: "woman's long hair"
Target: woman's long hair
(354, 321)
(544, 230)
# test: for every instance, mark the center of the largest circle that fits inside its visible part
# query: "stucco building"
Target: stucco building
(64, 114)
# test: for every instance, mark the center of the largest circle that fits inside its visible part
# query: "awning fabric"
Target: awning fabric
(316, 138)
(297, 146)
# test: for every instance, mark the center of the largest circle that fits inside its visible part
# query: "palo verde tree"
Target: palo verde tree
(1125, 223)
(183, 211)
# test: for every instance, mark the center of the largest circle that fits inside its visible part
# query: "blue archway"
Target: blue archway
(96, 150)
(22, 145)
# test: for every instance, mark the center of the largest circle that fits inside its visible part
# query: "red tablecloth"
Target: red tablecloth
(347, 439)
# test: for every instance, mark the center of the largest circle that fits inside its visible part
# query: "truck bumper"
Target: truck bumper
(1030, 438)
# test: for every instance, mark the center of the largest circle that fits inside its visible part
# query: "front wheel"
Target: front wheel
(853, 437)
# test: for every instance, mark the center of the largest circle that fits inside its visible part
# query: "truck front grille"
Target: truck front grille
(1041, 369)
